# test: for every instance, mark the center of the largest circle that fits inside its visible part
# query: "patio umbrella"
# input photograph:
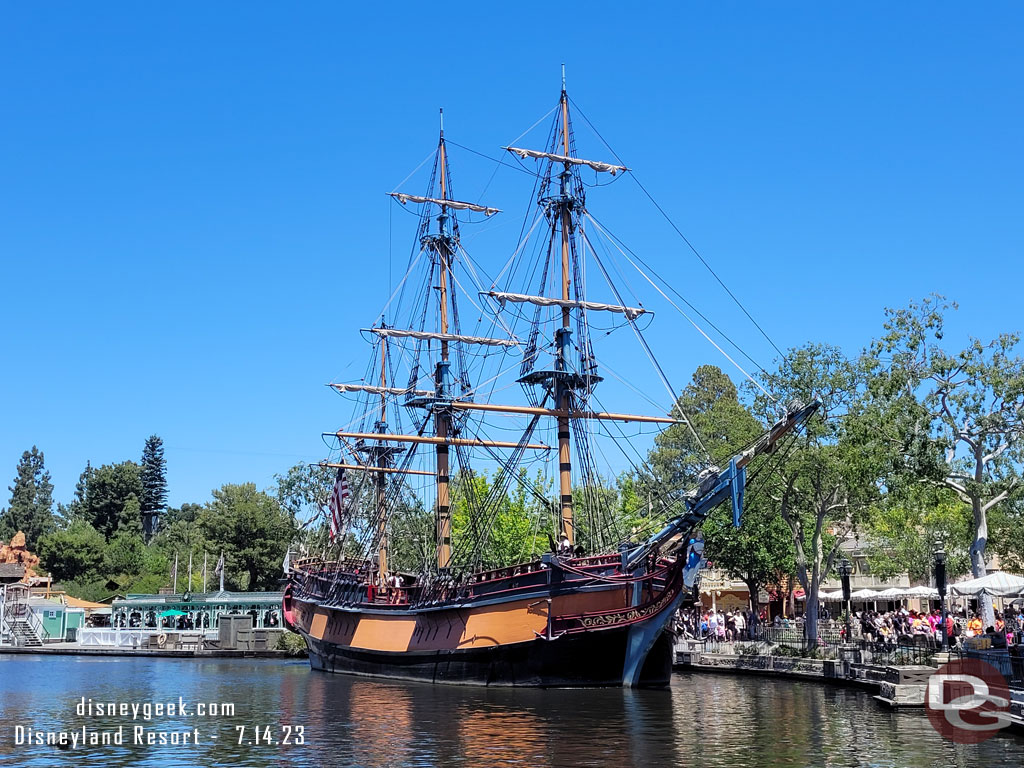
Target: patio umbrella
(999, 584)
(173, 612)
(923, 591)
(831, 596)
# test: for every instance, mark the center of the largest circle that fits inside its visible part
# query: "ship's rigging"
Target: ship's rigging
(423, 407)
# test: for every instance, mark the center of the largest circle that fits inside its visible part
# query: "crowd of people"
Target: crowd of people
(724, 626)
(903, 626)
(895, 627)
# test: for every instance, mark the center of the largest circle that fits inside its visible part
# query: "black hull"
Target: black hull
(590, 659)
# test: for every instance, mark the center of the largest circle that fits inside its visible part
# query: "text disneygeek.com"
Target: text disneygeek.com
(147, 735)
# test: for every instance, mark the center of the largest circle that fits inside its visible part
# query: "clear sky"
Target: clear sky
(193, 220)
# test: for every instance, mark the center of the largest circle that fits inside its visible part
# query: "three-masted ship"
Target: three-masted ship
(595, 608)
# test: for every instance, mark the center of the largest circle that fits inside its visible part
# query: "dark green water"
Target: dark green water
(704, 720)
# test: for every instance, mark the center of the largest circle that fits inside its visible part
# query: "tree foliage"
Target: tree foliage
(253, 532)
(900, 533)
(75, 552)
(112, 497)
(496, 530)
(759, 552)
(958, 416)
(829, 479)
(31, 506)
(153, 477)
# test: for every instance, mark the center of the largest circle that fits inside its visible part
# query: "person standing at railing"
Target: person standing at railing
(974, 626)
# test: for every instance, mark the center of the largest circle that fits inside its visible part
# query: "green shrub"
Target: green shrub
(292, 644)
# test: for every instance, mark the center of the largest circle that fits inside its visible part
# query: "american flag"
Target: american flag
(339, 502)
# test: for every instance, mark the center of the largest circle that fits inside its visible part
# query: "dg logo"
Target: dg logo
(968, 701)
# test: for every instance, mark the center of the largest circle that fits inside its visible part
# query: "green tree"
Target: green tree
(716, 424)
(31, 505)
(75, 552)
(901, 530)
(111, 488)
(76, 509)
(303, 491)
(252, 530)
(124, 554)
(829, 479)
(183, 537)
(187, 512)
(1008, 535)
(153, 477)
(494, 529)
(412, 539)
(759, 552)
(962, 413)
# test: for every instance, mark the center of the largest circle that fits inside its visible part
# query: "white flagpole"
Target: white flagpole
(204, 571)
(174, 589)
(189, 587)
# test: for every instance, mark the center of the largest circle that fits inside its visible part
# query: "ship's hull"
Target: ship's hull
(584, 660)
(576, 634)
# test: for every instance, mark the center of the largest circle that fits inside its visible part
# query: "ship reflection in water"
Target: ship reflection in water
(708, 720)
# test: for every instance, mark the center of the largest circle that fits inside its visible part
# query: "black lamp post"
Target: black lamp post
(940, 585)
(845, 569)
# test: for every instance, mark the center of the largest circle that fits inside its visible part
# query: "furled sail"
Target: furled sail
(374, 390)
(400, 333)
(597, 166)
(456, 204)
(546, 301)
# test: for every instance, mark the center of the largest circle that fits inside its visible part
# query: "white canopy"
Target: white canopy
(999, 584)
(922, 591)
(831, 596)
(892, 592)
(864, 594)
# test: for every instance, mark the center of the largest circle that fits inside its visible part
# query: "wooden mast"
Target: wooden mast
(564, 455)
(442, 418)
(382, 460)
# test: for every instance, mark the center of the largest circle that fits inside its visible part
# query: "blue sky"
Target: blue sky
(193, 219)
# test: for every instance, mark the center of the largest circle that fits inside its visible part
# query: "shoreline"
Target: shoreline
(150, 653)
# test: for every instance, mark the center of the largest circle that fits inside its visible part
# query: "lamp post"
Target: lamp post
(845, 569)
(940, 585)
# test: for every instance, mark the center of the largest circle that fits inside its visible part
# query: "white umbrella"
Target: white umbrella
(922, 591)
(999, 584)
(831, 596)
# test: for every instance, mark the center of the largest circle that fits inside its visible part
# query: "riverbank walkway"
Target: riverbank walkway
(897, 676)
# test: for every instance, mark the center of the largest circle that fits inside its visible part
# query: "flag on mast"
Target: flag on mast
(338, 504)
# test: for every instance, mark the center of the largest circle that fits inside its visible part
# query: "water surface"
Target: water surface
(705, 719)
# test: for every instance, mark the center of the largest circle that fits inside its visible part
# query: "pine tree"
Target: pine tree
(31, 506)
(154, 484)
(78, 506)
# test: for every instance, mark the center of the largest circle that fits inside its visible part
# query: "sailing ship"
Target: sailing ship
(595, 608)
